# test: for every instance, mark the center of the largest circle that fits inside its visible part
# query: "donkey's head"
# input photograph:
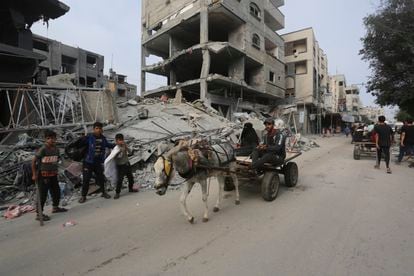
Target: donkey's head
(163, 173)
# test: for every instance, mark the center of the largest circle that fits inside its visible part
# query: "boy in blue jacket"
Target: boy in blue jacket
(95, 157)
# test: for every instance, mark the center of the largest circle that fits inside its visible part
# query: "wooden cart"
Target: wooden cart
(364, 148)
(269, 179)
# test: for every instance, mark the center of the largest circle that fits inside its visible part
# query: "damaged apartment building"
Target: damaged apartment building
(87, 66)
(224, 52)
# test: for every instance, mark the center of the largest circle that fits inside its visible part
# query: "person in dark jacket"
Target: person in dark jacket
(248, 140)
(95, 157)
(272, 149)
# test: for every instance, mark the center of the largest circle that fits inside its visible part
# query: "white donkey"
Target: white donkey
(178, 159)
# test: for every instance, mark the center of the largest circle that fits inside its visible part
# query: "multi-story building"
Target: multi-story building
(372, 113)
(87, 66)
(119, 86)
(353, 102)
(307, 78)
(337, 87)
(226, 52)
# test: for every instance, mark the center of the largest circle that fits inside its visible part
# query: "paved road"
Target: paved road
(343, 218)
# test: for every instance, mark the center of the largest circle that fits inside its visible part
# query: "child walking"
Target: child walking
(123, 166)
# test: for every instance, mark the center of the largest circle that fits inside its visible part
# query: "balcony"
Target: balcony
(277, 3)
(273, 17)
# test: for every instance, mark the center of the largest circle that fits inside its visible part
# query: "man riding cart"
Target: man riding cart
(272, 150)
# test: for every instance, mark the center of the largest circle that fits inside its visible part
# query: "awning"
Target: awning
(348, 118)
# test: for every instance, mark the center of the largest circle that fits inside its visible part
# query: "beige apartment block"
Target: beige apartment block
(307, 79)
(372, 112)
(337, 86)
(353, 101)
(225, 52)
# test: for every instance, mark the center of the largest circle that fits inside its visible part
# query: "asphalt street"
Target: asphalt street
(343, 218)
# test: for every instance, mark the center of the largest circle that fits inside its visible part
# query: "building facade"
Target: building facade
(337, 87)
(119, 86)
(87, 66)
(225, 52)
(307, 79)
(353, 102)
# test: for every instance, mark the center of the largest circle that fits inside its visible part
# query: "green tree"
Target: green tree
(402, 116)
(389, 49)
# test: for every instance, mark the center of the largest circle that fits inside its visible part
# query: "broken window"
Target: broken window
(90, 82)
(91, 61)
(341, 83)
(40, 45)
(256, 41)
(255, 11)
(290, 93)
(121, 92)
(68, 65)
(296, 47)
(301, 68)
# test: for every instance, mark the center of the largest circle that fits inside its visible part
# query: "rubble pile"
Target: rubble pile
(145, 123)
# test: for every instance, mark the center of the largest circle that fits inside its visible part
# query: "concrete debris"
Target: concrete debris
(62, 80)
(69, 223)
(145, 123)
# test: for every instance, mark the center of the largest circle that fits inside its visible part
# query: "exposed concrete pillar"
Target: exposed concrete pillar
(205, 69)
(143, 64)
(172, 78)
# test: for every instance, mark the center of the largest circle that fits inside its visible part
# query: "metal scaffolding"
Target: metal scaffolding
(40, 107)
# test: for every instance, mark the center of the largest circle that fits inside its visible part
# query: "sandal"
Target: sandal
(45, 217)
(59, 210)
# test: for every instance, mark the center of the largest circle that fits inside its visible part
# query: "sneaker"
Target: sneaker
(59, 210)
(376, 166)
(82, 199)
(106, 195)
(389, 170)
(45, 217)
(116, 196)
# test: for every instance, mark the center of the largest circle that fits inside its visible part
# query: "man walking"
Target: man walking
(383, 141)
(95, 157)
(407, 139)
(272, 150)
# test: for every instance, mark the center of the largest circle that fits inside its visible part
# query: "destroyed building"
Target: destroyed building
(225, 52)
(18, 61)
(87, 66)
(119, 86)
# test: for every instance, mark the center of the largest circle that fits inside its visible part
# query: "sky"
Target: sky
(112, 28)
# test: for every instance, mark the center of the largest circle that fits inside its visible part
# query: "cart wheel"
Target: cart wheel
(228, 184)
(270, 186)
(357, 153)
(291, 174)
